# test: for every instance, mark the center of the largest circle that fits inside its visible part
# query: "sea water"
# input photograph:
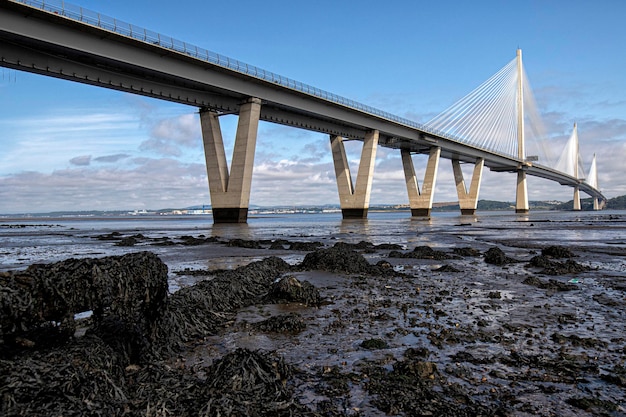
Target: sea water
(28, 240)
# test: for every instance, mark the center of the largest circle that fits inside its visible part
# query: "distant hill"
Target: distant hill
(491, 205)
(617, 203)
(586, 204)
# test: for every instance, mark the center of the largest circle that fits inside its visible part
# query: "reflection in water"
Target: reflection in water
(359, 227)
(232, 231)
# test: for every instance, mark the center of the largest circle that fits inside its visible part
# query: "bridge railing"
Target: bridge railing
(77, 13)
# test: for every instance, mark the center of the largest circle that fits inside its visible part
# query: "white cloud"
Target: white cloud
(111, 158)
(83, 160)
(153, 183)
(169, 136)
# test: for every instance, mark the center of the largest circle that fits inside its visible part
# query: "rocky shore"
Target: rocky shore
(350, 329)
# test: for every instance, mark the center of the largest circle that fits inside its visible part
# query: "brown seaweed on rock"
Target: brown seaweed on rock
(132, 288)
(110, 372)
(289, 289)
(466, 251)
(557, 252)
(421, 252)
(88, 378)
(496, 256)
(82, 378)
(249, 383)
(549, 285)
(284, 323)
(551, 267)
(416, 388)
(198, 311)
(341, 258)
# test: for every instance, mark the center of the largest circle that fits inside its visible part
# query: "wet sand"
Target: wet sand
(440, 334)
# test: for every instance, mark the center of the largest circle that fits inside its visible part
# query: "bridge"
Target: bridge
(486, 128)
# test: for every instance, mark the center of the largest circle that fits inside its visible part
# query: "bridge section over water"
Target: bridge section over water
(75, 44)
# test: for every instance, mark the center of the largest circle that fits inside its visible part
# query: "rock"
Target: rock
(290, 289)
(374, 344)
(110, 236)
(446, 268)
(466, 251)
(248, 383)
(286, 323)
(305, 246)
(557, 252)
(196, 241)
(127, 241)
(132, 288)
(198, 311)
(417, 369)
(555, 267)
(540, 261)
(495, 256)
(420, 252)
(242, 243)
(278, 245)
(339, 258)
(550, 285)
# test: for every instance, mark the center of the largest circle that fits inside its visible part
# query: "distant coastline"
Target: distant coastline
(617, 203)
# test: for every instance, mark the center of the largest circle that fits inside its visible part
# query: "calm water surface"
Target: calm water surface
(24, 241)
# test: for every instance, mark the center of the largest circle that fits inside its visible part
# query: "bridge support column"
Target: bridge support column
(596, 204)
(468, 200)
(421, 203)
(354, 200)
(230, 192)
(521, 199)
(577, 206)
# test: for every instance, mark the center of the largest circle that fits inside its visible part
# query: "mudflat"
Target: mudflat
(473, 322)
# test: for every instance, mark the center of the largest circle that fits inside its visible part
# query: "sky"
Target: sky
(69, 146)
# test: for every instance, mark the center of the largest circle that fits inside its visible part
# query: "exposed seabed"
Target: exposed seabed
(510, 338)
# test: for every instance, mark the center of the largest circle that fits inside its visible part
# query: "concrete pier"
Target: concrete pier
(421, 202)
(521, 197)
(230, 191)
(354, 198)
(577, 205)
(468, 200)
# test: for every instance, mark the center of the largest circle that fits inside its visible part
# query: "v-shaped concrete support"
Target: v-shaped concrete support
(354, 199)
(468, 200)
(421, 202)
(230, 192)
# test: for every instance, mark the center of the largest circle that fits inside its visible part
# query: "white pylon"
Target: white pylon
(521, 199)
(592, 180)
(576, 203)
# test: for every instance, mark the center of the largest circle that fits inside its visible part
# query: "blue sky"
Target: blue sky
(67, 146)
